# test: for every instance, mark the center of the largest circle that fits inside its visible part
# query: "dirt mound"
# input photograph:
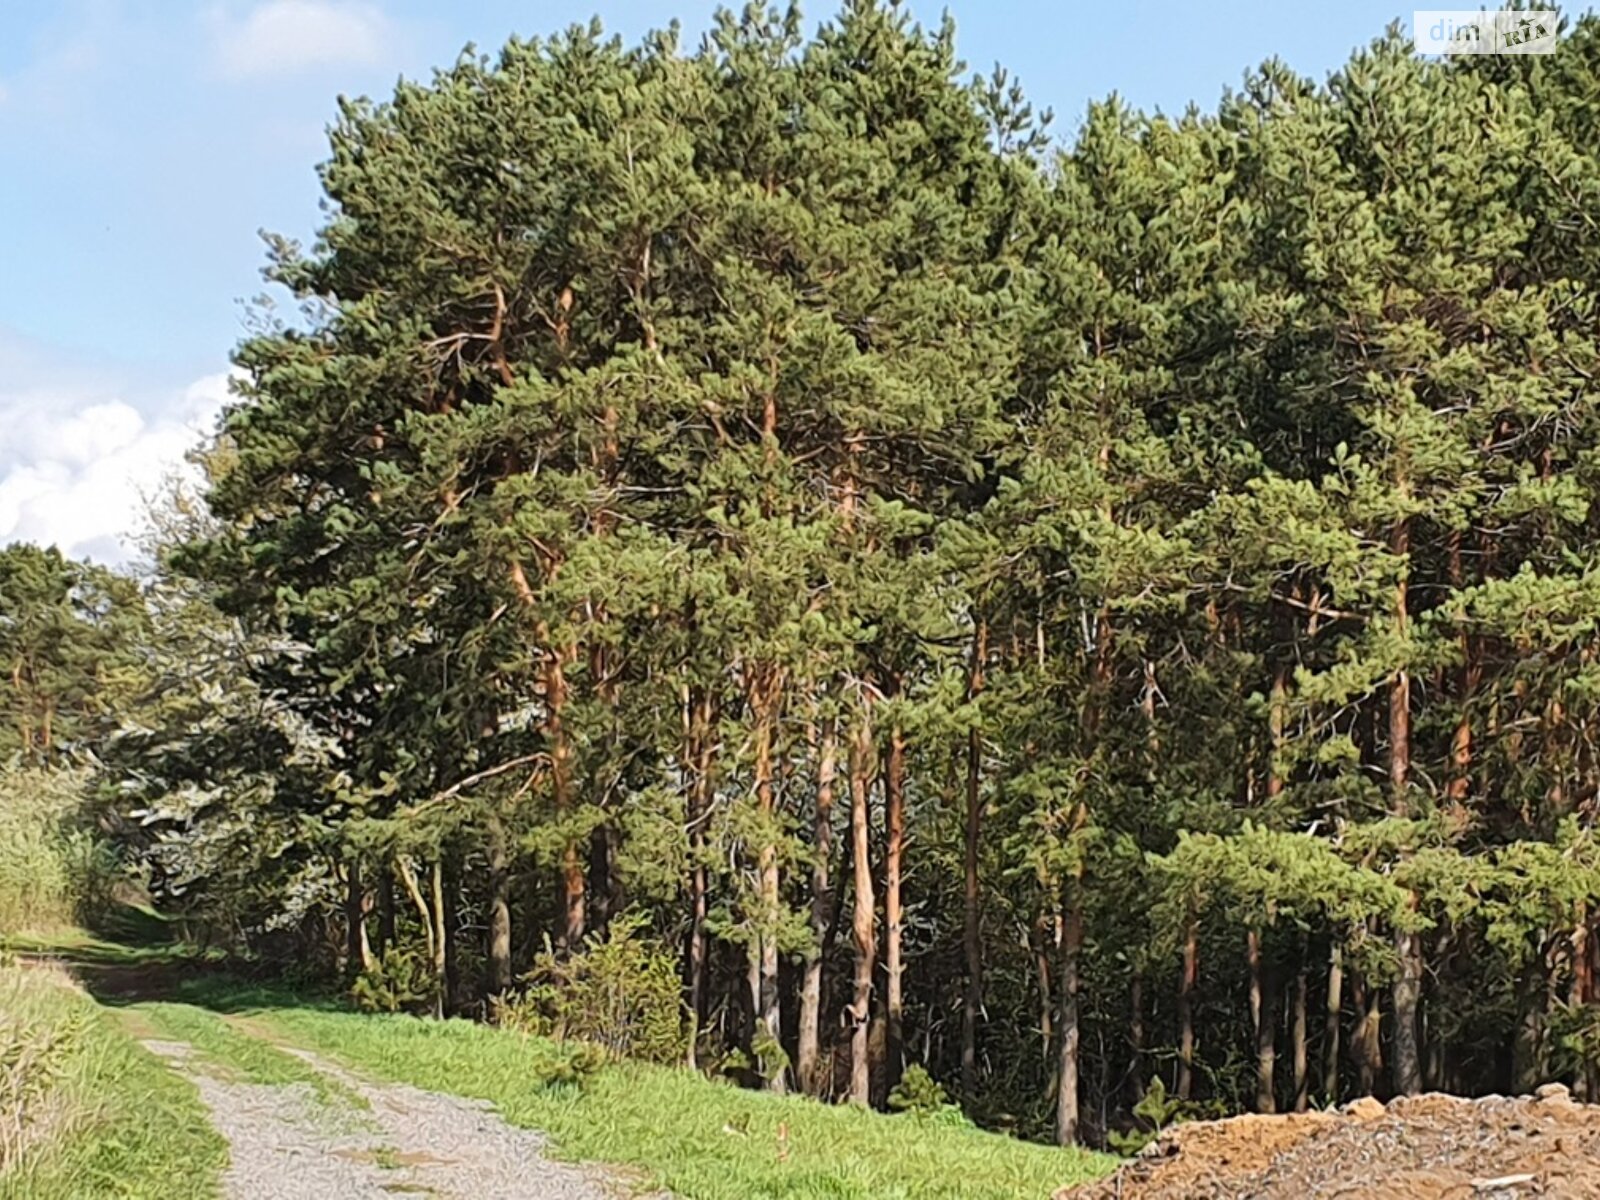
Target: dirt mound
(1418, 1148)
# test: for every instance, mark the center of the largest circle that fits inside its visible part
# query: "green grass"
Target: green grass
(75, 945)
(236, 1053)
(126, 1127)
(700, 1139)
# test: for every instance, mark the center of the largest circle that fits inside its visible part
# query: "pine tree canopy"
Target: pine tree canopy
(1061, 612)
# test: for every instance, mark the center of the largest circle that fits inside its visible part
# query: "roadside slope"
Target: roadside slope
(86, 1110)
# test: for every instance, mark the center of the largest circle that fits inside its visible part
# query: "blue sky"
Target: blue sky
(143, 143)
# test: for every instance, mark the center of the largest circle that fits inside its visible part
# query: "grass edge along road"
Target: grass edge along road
(104, 1117)
(698, 1138)
(144, 1126)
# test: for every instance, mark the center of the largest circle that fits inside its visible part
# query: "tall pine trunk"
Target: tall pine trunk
(1277, 713)
(499, 948)
(894, 801)
(441, 939)
(1330, 1028)
(764, 704)
(432, 921)
(1302, 1076)
(1460, 774)
(809, 1056)
(1136, 1037)
(1369, 1039)
(864, 922)
(604, 890)
(1408, 944)
(1072, 899)
(1044, 942)
(1188, 980)
(1528, 1037)
(1071, 928)
(699, 749)
(972, 930)
(572, 898)
(1261, 1021)
(385, 910)
(358, 950)
(1581, 991)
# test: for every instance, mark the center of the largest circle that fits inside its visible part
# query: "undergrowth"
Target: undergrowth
(52, 867)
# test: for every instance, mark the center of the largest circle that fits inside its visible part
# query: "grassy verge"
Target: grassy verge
(109, 1119)
(236, 1053)
(700, 1139)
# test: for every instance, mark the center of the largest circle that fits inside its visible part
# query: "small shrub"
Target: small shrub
(1157, 1111)
(921, 1095)
(1575, 1033)
(917, 1092)
(577, 1066)
(771, 1058)
(619, 992)
(522, 1013)
(400, 980)
(735, 1066)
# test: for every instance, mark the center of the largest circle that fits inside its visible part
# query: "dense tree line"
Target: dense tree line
(1062, 617)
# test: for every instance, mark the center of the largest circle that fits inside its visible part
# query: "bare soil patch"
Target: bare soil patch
(1429, 1147)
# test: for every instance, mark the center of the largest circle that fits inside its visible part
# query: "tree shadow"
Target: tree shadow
(120, 973)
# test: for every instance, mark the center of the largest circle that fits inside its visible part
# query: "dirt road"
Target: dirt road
(357, 1139)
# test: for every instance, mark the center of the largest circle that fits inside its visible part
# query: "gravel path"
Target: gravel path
(289, 1143)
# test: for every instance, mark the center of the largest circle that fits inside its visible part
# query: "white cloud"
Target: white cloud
(82, 450)
(280, 37)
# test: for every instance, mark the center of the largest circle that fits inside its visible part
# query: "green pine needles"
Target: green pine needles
(962, 611)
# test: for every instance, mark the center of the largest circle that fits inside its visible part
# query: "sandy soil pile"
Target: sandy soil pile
(1417, 1148)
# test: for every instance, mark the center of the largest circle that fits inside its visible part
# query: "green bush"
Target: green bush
(619, 992)
(400, 980)
(917, 1092)
(577, 1066)
(1157, 1111)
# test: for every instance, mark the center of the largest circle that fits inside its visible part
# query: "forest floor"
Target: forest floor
(1430, 1147)
(316, 1101)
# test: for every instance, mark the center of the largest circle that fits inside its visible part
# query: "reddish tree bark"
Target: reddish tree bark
(809, 1056)
(864, 922)
(1187, 982)
(894, 801)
